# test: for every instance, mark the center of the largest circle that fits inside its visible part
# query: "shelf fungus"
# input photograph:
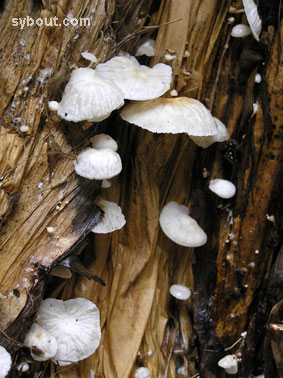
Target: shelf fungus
(137, 82)
(113, 218)
(75, 325)
(223, 188)
(181, 228)
(5, 362)
(89, 96)
(98, 164)
(206, 141)
(171, 115)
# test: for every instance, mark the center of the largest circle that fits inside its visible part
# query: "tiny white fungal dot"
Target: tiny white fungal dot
(170, 57)
(258, 78)
(53, 106)
(240, 31)
(222, 188)
(174, 93)
(50, 230)
(231, 20)
(142, 372)
(24, 128)
(180, 292)
(23, 367)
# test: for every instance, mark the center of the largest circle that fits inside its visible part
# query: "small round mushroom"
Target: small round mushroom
(206, 141)
(43, 340)
(89, 56)
(223, 188)
(89, 96)
(100, 141)
(23, 367)
(240, 31)
(136, 81)
(75, 324)
(253, 18)
(178, 226)
(147, 48)
(5, 362)
(171, 115)
(229, 363)
(53, 106)
(98, 164)
(142, 372)
(181, 292)
(113, 218)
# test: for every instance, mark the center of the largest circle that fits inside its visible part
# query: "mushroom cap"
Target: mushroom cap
(253, 17)
(206, 141)
(104, 141)
(42, 339)
(240, 31)
(223, 188)
(171, 115)
(142, 372)
(178, 226)
(113, 218)
(136, 81)
(98, 164)
(5, 362)
(229, 363)
(180, 292)
(89, 56)
(89, 96)
(146, 48)
(75, 324)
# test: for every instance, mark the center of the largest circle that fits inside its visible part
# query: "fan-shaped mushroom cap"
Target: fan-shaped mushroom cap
(104, 141)
(5, 362)
(75, 325)
(178, 226)
(89, 96)
(223, 188)
(229, 363)
(136, 81)
(171, 115)
(98, 164)
(113, 218)
(180, 292)
(147, 48)
(206, 141)
(253, 17)
(42, 339)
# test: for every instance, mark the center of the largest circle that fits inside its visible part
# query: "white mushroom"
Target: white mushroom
(113, 218)
(178, 226)
(229, 363)
(106, 184)
(23, 367)
(5, 362)
(240, 31)
(136, 81)
(206, 141)
(142, 372)
(100, 141)
(75, 325)
(89, 96)
(98, 164)
(53, 106)
(253, 17)
(43, 340)
(147, 48)
(223, 188)
(180, 292)
(89, 56)
(171, 115)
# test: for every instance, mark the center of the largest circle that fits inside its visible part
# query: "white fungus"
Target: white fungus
(24, 128)
(23, 367)
(89, 56)
(53, 106)
(106, 184)
(50, 230)
(174, 93)
(142, 372)
(98, 164)
(206, 141)
(171, 115)
(137, 82)
(258, 78)
(178, 226)
(229, 363)
(5, 362)
(253, 18)
(113, 218)
(75, 324)
(240, 31)
(147, 48)
(180, 292)
(104, 141)
(223, 188)
(89, 96)
(43, 340)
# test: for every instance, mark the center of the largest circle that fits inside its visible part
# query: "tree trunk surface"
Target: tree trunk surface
(235, 279)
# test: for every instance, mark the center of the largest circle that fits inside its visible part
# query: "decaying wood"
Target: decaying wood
(230, 276)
